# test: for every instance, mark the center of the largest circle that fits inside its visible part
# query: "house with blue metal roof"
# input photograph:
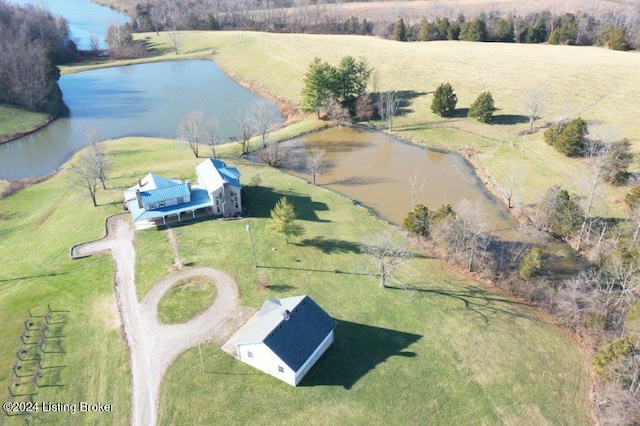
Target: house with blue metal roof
(286, 338)
(156, 200)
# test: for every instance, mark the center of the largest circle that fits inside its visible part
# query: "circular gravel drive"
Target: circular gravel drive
(153, 346)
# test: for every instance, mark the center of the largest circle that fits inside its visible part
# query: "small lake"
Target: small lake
(142, 100)
(85, 19)
(375, 169)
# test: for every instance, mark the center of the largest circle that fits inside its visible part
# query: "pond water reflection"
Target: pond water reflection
(143, 100)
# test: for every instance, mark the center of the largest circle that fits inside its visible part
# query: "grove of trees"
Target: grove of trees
(345, 83)
(32, 42)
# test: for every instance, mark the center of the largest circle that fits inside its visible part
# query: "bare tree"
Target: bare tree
(316, 163)
(416, 188)
(511, 184)
(176, 38)
(534, 101)
(191, 129)
(389, 250)
(335, 112)
(211, 134)
(82, 174)
(388, 103)
(100, 162)
(262, 118)
(273, 154)
(246, 130)
(597, 161)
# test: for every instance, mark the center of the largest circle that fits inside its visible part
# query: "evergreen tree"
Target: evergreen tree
(567, 138)
(352, 79)
(283, 220)
(618, 40)
(505, 30)
(401, 30)
(319, 83)
(531, 263)
(619, 157)
(444, 100)
(475, 30)
(482, 108)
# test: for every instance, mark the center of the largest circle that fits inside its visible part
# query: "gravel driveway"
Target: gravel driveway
(154, 346)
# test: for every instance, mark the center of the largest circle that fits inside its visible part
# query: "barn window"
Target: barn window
(250, 354)
(280, 369)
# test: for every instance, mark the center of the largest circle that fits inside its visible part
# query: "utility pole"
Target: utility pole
(253, 247)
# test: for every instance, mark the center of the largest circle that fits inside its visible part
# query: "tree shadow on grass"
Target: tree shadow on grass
(357, 349)
(459, 113)
(478, 301)
(507, 119)
(261, 199)
(331, 245)
(406, 97)
(50, 275)
(280, 288)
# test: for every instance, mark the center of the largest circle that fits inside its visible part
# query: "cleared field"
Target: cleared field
(597, 84)
(454, 350)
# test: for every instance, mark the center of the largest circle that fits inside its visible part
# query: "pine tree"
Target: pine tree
(401, 30)
(282, 220)
(444, 100)
(319, 83)
(482, 108)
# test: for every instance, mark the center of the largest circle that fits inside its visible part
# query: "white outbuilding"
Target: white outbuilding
(286, 338)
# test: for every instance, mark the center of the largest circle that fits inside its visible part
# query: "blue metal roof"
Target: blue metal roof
(230, 174)
(165, 193)
(199, 199)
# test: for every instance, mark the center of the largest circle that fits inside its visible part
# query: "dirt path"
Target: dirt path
(154, 346)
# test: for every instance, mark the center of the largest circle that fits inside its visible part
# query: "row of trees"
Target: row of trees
(327, 17)
(32, 42)
(258, 120)
(582, 29)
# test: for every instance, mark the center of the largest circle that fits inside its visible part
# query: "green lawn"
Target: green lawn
(186, 299)
(455, 351)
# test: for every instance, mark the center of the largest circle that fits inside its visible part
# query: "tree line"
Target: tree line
(32, 42)
(615, 30)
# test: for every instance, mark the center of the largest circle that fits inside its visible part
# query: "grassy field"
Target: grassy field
(453, 351)
(185, 300)
(15, 121)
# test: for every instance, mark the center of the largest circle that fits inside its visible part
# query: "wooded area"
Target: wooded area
(32, 42)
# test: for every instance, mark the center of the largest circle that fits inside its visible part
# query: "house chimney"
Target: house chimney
(286, 315)
(139, 198)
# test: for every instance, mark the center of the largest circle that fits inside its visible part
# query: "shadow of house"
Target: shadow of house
(260, 200)
(357, 349)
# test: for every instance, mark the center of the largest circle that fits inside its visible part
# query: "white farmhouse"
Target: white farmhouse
(156, 200)
(287, 337)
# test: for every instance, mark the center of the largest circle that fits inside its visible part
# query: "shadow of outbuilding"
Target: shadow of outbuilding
(357, 349)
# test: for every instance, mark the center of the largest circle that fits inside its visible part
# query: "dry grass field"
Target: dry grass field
(597, 84)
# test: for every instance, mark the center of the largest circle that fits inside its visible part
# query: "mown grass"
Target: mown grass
(454, 351)
(186, 299)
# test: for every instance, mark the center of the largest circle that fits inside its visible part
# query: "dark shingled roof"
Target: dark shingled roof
(295, 339)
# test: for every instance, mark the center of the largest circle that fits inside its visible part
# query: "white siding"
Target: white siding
(315, 356)
(265, 360)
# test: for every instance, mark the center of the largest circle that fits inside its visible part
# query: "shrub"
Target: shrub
(568, 138)
(531, 263)
(632, 199)
(610, 353)
(482, 108)
(444, 100)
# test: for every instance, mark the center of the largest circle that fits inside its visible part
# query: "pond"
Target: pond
(85, 19)
(144, 100)
(375, 170)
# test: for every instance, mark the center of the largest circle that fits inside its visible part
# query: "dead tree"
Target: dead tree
(388, 250)
(316, 163)
(191, 130)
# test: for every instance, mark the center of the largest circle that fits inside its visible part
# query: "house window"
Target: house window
(160, 203)
(250, 354)
(280, 369)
